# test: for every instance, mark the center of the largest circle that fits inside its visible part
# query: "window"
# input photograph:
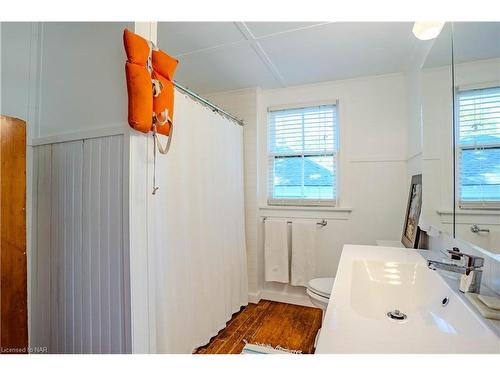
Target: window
(302, 156)
(479, 148)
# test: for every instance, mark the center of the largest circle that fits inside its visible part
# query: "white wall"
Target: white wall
(16, 46)
(415, 131)
(437, 113)
(414, 99)
(82, 77)
(373, 169)
(79, 272)
(64, 77)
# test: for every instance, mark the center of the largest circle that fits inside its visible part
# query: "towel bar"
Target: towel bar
(323, 222)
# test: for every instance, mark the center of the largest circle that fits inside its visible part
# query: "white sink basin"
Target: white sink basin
(372, 281)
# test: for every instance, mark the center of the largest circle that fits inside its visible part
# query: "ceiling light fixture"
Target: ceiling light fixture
(427, 30)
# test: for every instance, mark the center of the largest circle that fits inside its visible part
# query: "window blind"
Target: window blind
(302, 156)
(479, 147)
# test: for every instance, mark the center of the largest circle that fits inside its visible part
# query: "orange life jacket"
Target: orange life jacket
(150, 74)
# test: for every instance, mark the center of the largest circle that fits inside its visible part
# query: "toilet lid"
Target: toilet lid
(322, 286)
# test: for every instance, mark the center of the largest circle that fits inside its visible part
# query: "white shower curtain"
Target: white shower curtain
(196, 230)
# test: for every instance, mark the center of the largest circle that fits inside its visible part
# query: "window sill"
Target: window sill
(470, 211)
(304, 208)
(469, 217)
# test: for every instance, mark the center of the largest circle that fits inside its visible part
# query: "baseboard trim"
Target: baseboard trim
(254, 297)
(294, 299)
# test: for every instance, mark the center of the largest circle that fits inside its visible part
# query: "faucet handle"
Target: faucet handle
(469, 260)
(455, 254)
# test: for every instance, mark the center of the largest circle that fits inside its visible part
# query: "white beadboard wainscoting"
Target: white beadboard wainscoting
(79, 263)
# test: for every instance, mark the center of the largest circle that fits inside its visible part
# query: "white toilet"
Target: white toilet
(319, 291)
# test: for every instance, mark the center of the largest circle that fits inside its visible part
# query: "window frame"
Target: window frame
(301, 202)
(470, 205)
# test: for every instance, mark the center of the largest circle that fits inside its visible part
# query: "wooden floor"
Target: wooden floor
(272, 323)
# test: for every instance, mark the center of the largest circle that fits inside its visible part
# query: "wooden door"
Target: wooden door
(13, 273)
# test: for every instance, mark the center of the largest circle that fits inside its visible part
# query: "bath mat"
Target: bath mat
(258, 348)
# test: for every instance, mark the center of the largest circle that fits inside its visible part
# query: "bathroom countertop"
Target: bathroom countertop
(386, 300)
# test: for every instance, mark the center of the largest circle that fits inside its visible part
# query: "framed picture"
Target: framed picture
(411, 230)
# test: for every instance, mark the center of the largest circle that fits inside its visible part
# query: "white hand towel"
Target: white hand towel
(276, 250)
(303, 252)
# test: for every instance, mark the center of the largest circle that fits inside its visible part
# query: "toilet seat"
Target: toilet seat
(321, 287)
(318, 297)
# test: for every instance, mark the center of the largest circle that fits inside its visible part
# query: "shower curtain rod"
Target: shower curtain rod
(207, 103)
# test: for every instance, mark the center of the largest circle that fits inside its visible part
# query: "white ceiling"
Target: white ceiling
(221, 56)
(476, 41)
(471, 41)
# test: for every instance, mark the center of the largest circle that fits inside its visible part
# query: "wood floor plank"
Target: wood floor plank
(225, 335)
(223, 341)
(269, 323)
(247, 329)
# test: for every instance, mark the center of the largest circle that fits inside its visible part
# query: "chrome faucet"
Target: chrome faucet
(470, 279)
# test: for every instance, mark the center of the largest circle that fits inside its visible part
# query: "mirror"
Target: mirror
(437, 134)
(476, 66)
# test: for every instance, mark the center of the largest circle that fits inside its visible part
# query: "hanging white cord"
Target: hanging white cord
(154, 165)
(157, 87)
(163, 150)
